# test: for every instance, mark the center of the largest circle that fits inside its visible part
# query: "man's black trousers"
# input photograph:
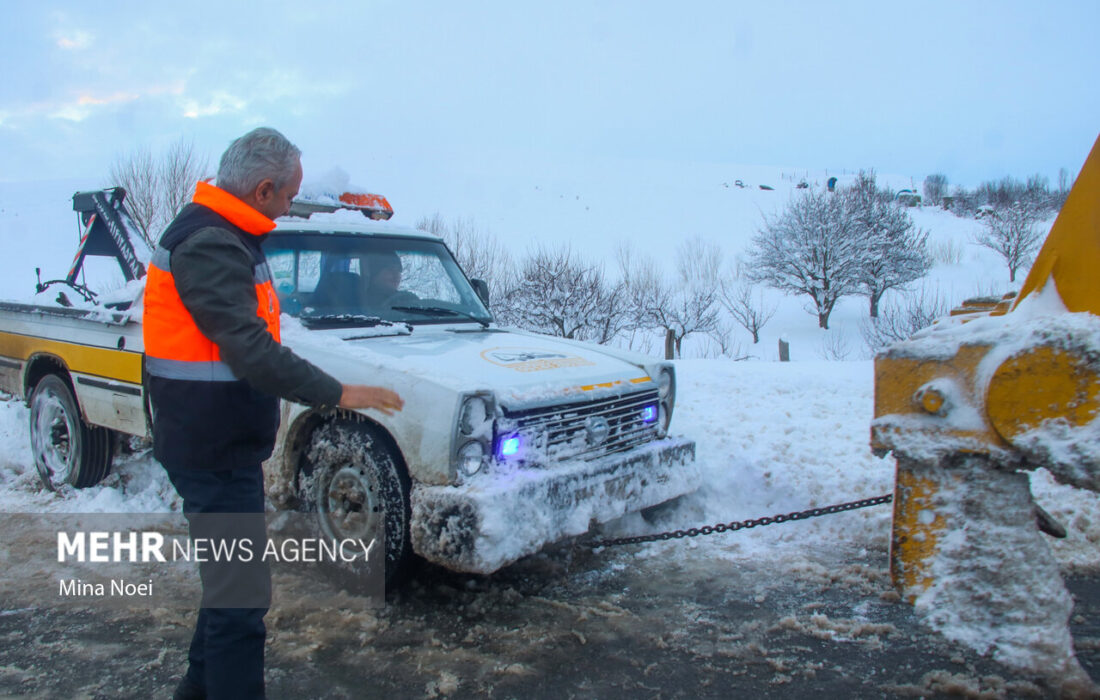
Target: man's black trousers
(227, 649)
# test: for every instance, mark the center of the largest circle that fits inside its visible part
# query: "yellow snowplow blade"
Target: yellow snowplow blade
(1040, 384)
(970, 404)
(1071, 254)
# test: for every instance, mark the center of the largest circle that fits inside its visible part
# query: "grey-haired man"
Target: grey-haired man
(216, 372)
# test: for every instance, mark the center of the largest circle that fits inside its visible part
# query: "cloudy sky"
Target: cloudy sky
(974, 89)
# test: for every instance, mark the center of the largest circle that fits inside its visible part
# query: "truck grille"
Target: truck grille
(585, 430)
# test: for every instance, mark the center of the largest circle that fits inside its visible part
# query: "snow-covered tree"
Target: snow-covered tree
(810, 248)
(1012, 232)
(894, 252)
(558, 293)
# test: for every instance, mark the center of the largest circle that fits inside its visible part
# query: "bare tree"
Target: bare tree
(683, 306)
(894, 251)
(560, 294)
(1065, 182)
(647, 291)
(935, 187)
(158, 186)
(964, 202)
(479, 253)
(947, 252)
(811, 248)
(137, 174)
(834, 347)
(899, 321)
(724, 342)
(746, 304)
(691, 302)
(180, 169)
(1012, 232)
(433, 224)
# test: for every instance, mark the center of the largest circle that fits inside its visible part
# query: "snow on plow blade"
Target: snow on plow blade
(484, 525)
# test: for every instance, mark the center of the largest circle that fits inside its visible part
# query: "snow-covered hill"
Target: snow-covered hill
(594, 206)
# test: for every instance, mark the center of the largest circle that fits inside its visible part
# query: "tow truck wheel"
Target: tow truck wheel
(66, 449)
(355, 483)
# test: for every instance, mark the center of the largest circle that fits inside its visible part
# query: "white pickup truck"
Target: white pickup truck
(508, 440)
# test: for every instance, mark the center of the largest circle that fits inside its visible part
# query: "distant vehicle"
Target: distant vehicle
(908, 198)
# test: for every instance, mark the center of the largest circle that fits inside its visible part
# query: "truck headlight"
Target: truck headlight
(475, 418)
(663, 420)
(471, 440)
(471, 457)
(666, 395)
(666, 383)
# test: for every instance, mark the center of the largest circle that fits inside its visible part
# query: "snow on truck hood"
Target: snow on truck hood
(520, 368)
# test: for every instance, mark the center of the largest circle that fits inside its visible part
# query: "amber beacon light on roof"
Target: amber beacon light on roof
(373, 206)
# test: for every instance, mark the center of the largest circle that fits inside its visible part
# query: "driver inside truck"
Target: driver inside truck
(384, 271)
(339, 290)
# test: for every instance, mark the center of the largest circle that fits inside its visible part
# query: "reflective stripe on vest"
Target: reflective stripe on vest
(190, 371)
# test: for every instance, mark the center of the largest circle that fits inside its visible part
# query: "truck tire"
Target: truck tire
(66, 449)
(357, 485)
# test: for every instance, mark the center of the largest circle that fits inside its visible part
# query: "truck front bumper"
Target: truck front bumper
(495, 519)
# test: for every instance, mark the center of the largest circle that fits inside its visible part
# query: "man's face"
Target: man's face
(274, 203)
(388, 278)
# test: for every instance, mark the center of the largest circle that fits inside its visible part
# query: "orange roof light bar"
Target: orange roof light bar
(373, 206)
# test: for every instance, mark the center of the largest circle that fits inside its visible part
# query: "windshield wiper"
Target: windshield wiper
(442, 311)
(342, 321)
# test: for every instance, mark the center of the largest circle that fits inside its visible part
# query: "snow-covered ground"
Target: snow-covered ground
(771, 438)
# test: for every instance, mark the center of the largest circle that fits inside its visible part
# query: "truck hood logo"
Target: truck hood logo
(532, 359)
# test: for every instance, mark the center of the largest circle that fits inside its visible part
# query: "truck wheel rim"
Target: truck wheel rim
(348, 507)
(53, 438)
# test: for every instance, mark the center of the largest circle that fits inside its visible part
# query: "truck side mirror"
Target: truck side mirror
(482, 289)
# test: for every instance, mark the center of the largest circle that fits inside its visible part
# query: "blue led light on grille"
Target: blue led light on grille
(649, 414)
(509, 447)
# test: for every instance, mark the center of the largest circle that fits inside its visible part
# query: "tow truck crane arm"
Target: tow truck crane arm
(109, 231)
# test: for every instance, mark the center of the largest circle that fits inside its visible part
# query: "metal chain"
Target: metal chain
(745, 524)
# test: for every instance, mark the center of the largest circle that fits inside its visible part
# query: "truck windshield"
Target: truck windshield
(322, 278)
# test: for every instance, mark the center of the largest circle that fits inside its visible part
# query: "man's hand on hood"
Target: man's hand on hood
(382, 400)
